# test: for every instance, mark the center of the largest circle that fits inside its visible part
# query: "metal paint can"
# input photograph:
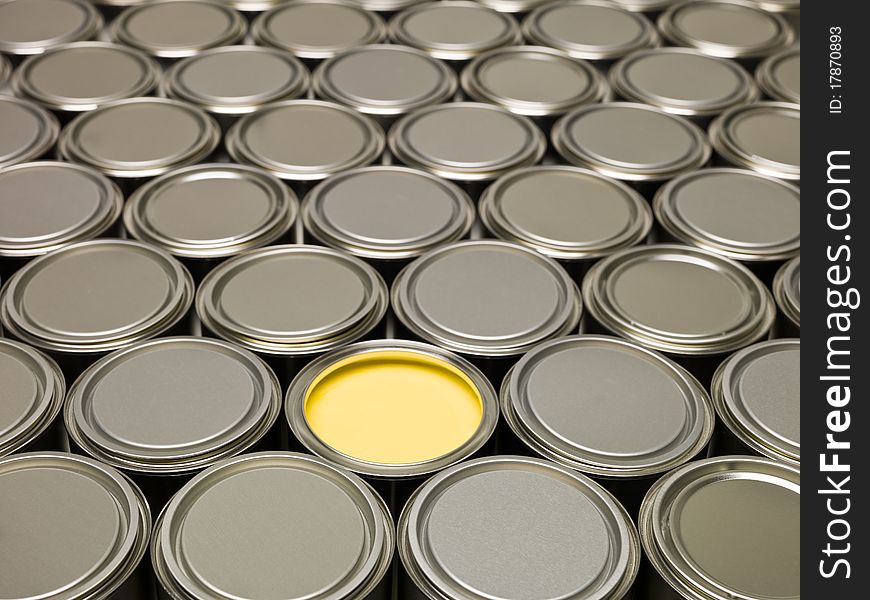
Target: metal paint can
(29, 131)
(787, 291)
(790, 10)
(25, 31)
(779, 76)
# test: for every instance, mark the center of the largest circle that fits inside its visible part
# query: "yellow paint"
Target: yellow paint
(393, 407)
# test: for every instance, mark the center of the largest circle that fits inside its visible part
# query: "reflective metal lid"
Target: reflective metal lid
(245, 6)
(387, 212)
(292, 300)
(45, 205)
(780, 76)
(726, 527)
(466, 141)
(172, 405)
(31, 396)
(236, 80)
(647, 6)
(589, 29)
(29, 131)
(787, 290)
(566, 213)
(736, 213)
(317, 29)
(725, 28)
(82, 76)
(533, 81)
(139, 137)
(305, 140)
(34, 26)
(779, 6)
(678, 299)
(385, 5)
(384, 79)
(454, 29)
(512, 6)
(178, 28)
(683, 81)
(73, 528)
(486, 298)
(517, 527)
(764, 137)
(631, 142)
(275, 525)
(115, 292)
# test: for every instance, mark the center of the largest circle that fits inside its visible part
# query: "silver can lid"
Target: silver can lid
(385, 5)
(726, 527)
(178, 28)
(678, 299)
(512, 6)
(387, 213)
(566, 213)
(244, 6)
(33, 392)
(779, 6)
(589, 29)
(645, 6)
(384, 80)
(683, 81)
(726, 28)
(533, 81)
(139, 137)
(292, 300)
(115, 292)
(517, 527)
(780, 76)
(25, 30)
(486, 298)
(318, 29)
(310, 530)
(466, 141)
(46, 205)
(630, 142)
(757, 394)
(72, 527)
(739, 214)
(787, 290)
(305, 140)
(172, 405)
(82, 76)
(454, 29)
(764, 137)
(606, 406)
(236, 80)
(29, 131)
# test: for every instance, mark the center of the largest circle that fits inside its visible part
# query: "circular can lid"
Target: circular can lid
(46, 205)
(566, 213)
(211, 210)
(318, 29)
(139, 137)
(757, 394)
(779, 76)
(305, 140)
(292, 300)
(172, 405)
(678, 299)
(236, 80)
(486, 298)
(764, 137)
(512, 6)
(725, 28)
(517, 527)
(533, 81)
(82, 76)
(589, 29)
(24, 28)
(72, 527)
(310, 530)
(387, 6)
(244, 6)
(691, 517)
(29, 131)
(178, 28)
(779, 6)
(630, 142)
(466, 141)
(787, 290)
(116, 292)
(454, 29)
(33, 393)
(384, 79)
(683, 81)
(348, 210)
(645, 6)
(606, 406)
(739, 214)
